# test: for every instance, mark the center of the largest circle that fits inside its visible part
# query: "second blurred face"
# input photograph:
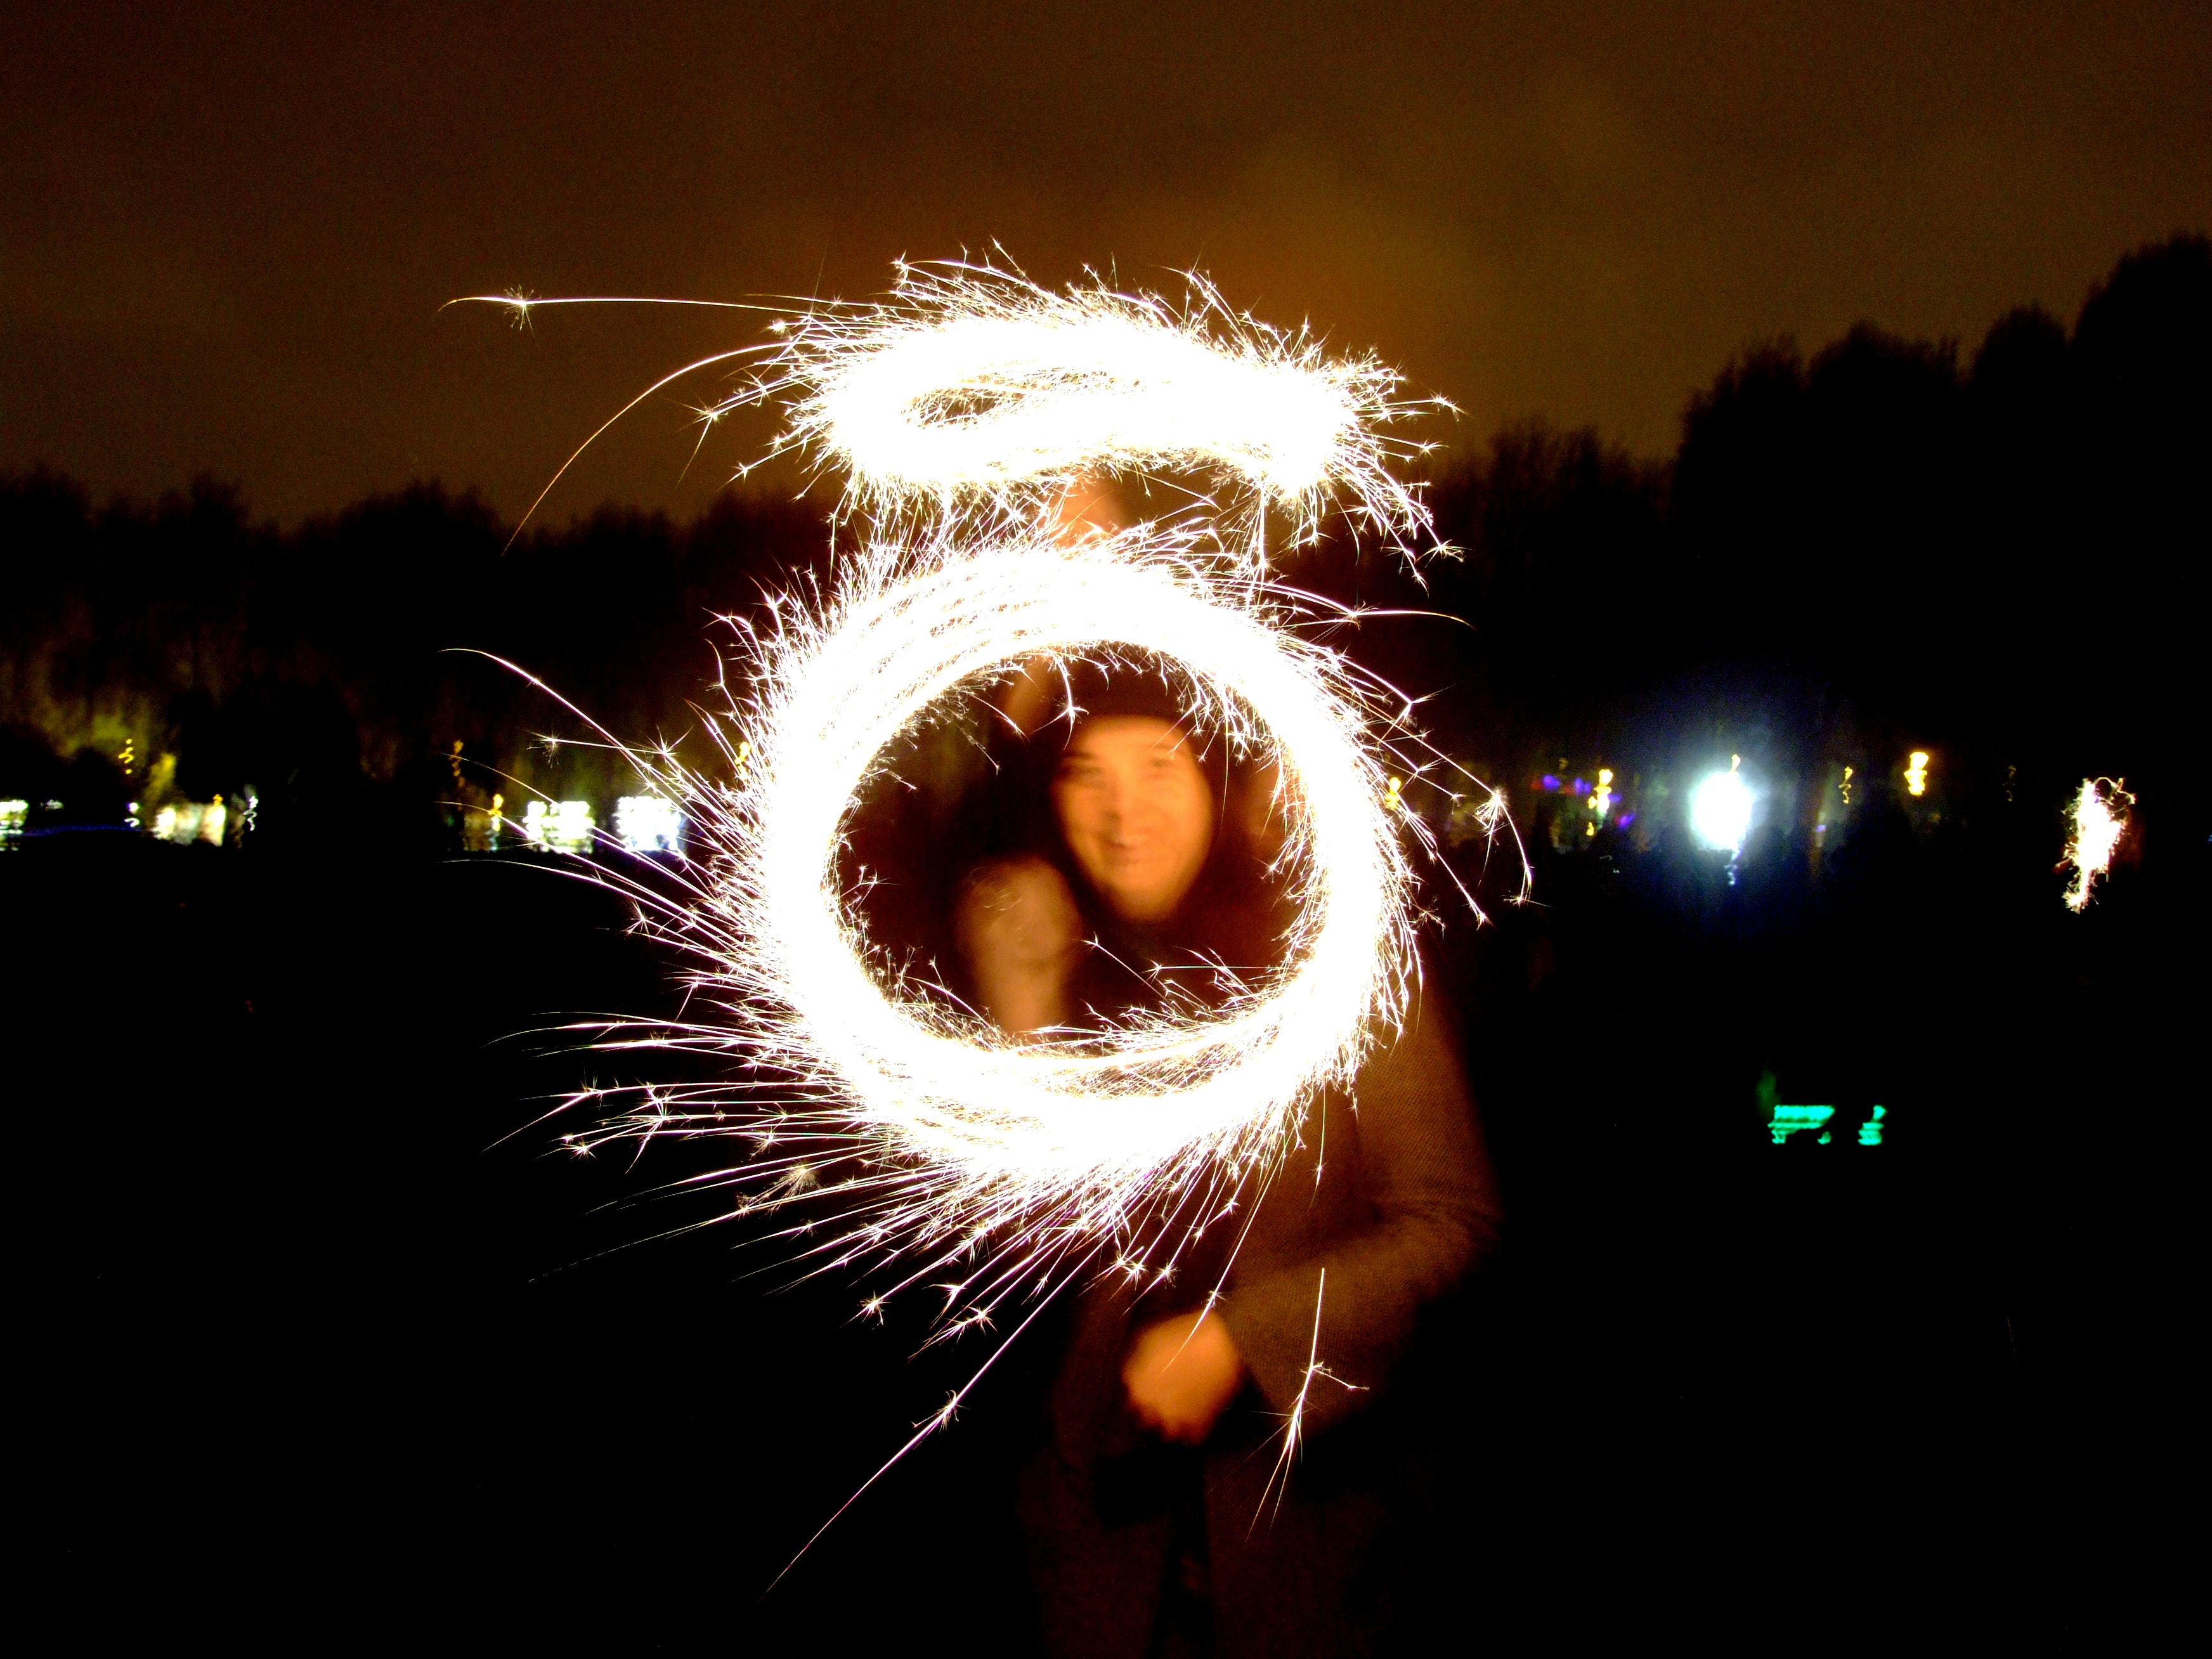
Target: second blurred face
(1135, 806)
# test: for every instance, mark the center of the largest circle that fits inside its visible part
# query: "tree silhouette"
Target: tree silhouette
(1868, 539)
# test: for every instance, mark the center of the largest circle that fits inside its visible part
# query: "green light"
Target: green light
(1788, 1120)
(1785, 1121)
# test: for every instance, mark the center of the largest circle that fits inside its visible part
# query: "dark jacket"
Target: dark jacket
(1390, 1193)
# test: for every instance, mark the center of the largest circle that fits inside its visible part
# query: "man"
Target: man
(1149, 1523)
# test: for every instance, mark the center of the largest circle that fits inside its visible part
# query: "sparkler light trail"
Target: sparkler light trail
(962, 409)
(971, 390)
(1074, 1132)
(969, 385)
(2100, 817)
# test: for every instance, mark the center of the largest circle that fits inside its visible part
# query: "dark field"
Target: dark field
(327, 1330)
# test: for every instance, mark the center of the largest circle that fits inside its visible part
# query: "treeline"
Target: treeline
(1876, 546)
(1872, 544)
(334, 667)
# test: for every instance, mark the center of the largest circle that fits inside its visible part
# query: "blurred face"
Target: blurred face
(1135, 806)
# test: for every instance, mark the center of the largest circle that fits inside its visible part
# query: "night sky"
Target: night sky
(225, 233)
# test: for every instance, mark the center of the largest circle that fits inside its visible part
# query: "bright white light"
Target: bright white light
(964, 408)
(13, 814)
(561, 826)
(1083, 1126)
(931, 1131)
(649, 824)
(2100, 819)
(972, 389)
(1720, 810)
(185, 822)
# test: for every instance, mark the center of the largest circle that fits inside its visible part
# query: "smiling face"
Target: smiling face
(1136, 810)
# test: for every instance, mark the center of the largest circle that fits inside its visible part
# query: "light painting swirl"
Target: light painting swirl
(892, 1129)
(907, 1130)
(1083, 1127)
(972, 393)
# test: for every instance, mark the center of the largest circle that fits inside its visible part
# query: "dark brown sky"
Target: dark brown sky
(224, 237)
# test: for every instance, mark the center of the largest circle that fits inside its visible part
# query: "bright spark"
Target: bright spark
(2100, 818)
(1294, 1420)
(1720, 808)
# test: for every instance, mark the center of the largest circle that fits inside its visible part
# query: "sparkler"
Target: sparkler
(1075, 1131)
(991, 1163)
(2100, 817)
(971, 393)
(961, 409)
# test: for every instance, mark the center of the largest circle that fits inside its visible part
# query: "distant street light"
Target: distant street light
(1719, 809)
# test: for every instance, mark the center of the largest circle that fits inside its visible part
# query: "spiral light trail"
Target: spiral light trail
(906, 1132)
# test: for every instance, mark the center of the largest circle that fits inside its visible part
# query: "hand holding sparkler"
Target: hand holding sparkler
(1182, 1374)
(981, 423)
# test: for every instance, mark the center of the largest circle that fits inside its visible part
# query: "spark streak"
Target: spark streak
(1294, 1420)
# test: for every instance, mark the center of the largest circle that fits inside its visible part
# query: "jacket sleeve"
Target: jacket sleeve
(1430, 1214)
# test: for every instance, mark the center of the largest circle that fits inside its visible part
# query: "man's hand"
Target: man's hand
(1181, 1373)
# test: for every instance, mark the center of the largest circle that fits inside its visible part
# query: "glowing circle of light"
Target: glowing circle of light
(1061, 393)
(1099, 1121)
(971, 385)
(965, 409)
(1720, 810)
